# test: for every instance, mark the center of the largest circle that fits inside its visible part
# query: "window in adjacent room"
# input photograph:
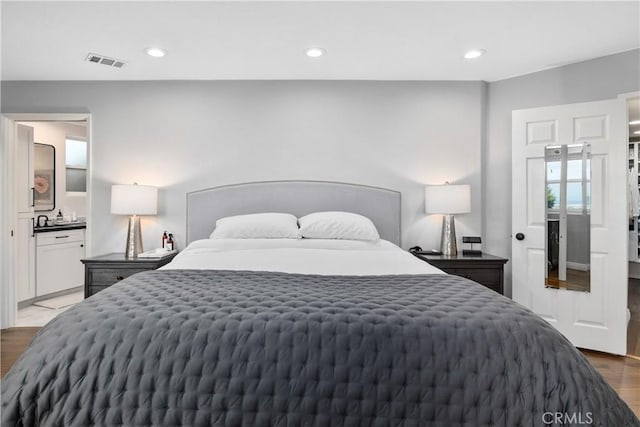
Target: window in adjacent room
(76, 165)
(577, 182)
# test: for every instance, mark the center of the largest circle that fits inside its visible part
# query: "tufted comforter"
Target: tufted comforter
(188, 347)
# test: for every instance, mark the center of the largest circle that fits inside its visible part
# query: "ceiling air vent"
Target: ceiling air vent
(104, 60)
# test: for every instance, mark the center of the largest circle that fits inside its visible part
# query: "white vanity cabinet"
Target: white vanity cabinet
(58, 266)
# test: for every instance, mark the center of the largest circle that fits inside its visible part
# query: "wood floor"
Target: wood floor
(577, 280)
(12, 342)
(622, 373)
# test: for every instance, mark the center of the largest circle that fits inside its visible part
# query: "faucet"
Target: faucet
(46, 219)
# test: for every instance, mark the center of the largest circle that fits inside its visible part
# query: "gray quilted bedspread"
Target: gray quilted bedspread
(234, 348)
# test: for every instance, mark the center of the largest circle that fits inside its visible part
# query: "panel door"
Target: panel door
(596, 319)
(24, 169)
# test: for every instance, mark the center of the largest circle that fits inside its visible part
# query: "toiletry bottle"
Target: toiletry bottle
(59, 217)
(164, 239)
(170, 244)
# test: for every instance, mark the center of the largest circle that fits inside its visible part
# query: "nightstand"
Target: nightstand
(102, 271)
(488, 270)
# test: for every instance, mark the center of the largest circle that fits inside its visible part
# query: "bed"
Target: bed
(301, 332)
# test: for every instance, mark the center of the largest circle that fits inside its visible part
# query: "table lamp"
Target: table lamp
(134, 200)
(448, 200)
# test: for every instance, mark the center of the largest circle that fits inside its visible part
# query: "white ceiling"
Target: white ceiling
(384, 40)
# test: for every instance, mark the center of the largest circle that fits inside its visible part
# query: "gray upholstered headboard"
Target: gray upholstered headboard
(299, 198)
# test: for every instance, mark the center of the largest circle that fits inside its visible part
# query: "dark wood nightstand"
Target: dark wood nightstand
(488, 270)
(102, 271)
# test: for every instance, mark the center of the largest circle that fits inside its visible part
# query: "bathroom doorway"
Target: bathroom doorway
(48, 208)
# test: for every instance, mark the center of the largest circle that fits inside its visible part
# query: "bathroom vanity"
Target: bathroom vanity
(59, 250)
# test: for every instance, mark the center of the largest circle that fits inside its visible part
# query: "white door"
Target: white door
(24, 169)
(596, 319)
(24, 266)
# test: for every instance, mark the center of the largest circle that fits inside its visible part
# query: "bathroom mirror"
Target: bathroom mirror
(568, 209)
(44, 181)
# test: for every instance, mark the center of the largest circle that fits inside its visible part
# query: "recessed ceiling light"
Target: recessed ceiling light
(634, 122)
(474, 53)
(315, 52)
(637, 132)
(156, 52)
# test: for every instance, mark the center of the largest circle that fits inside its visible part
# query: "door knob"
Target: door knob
(520, 236)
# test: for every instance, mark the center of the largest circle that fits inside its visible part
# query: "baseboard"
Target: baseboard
(31, 301)
(578, 266)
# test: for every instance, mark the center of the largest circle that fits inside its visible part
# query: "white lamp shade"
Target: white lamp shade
(447, 199)
(134, 200)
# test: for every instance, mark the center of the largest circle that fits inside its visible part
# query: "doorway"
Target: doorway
(47, 204)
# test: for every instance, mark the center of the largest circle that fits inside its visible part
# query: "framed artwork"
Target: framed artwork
(44, 180)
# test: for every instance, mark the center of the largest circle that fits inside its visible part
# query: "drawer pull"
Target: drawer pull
(61, 237)
(118, 277)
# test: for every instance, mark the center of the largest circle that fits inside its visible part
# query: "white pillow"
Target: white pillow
(337, 225)
(257, 226)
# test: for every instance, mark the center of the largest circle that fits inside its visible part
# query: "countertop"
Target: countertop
(59, 227)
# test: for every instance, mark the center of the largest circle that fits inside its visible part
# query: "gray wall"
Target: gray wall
(185, 136)
(578, 237)
(593, 80)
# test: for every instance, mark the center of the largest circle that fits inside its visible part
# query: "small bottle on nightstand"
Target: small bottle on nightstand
(164, 239)
(170, 244)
